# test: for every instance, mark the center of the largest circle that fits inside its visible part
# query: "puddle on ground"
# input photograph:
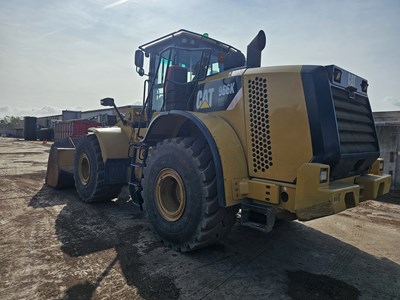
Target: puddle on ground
(305, 285)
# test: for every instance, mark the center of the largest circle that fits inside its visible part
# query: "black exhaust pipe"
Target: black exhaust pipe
(254, 50)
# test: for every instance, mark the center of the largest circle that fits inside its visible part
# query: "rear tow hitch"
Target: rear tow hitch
(257, 216)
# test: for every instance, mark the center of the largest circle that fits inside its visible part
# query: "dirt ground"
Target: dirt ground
(53, 246)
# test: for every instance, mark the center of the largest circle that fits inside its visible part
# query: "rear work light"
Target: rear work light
(323, 175)
(337, 75)
(381, 165)
(364, 86)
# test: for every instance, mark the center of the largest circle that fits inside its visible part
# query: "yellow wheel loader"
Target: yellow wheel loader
(218, 133)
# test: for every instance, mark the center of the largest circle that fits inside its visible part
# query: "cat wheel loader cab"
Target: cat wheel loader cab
(219, 133)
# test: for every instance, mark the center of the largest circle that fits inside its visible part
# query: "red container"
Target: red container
(73, 128)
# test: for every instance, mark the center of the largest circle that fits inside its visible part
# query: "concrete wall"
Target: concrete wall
(388, 130)
(12, 132)
(387, 117)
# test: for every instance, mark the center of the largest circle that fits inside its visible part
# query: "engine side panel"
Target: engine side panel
(277, 125)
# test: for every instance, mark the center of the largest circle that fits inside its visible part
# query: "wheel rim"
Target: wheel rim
(84, 169)
(170, 194)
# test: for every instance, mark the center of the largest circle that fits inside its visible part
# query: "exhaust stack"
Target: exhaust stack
(254, 50)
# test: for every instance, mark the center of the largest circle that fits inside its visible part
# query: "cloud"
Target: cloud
(393, 100)
(50, 34)
(33, 111)
(4, 109)
(70, 53)
(116, 3)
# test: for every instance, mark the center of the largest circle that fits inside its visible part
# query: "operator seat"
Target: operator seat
(175, 88)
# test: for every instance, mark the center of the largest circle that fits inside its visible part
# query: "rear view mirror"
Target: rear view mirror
(139, 58)
(110, 102)
(107, 102)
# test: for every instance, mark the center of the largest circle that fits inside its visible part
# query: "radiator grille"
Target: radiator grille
(355, 123)
(261, 150)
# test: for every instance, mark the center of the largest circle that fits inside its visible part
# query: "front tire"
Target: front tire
(180, 193)
(89, 172)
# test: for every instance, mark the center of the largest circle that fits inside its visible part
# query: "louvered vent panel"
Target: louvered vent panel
(355, 123)
(261, 149)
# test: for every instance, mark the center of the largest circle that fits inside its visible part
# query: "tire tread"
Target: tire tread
(216, 221)
(103, 192)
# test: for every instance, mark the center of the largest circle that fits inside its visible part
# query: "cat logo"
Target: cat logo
(204, 98)
(204, 105)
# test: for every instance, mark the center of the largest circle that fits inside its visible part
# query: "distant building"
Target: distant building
(388, 129)
(106, 116)
(12, 132)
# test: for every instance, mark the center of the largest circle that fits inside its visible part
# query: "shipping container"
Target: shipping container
(46, 134)
(30, 128)
(73, 128)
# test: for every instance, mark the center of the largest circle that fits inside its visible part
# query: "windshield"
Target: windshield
(193, 65)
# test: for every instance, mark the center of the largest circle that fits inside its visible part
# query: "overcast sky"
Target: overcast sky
(69, 54)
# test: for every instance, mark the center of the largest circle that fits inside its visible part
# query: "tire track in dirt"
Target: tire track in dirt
(343, 256)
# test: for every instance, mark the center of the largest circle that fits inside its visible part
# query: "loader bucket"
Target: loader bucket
(60, 167)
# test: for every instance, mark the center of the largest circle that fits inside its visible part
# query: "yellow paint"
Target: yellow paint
(113, 142)
(277, 130)
(60, 160)
(230, 150)
(314, 199)
(373, 186)
(204, 104)
(376, 167)
(260, 190)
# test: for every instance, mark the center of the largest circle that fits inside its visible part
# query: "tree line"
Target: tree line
(11, 122)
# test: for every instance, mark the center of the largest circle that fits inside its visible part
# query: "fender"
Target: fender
(227, 151)
(114, 143)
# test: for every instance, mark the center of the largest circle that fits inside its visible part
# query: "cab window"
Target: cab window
(195, 62)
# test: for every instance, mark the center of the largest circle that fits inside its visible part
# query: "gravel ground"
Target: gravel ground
(55, 247)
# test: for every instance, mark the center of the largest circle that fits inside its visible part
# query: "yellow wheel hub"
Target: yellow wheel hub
(170, 194)
(84, 169)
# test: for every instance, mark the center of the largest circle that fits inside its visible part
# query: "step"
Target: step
(257, 216)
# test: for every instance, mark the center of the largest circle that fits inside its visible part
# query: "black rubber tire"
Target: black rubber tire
(203, 221)
(95, 190)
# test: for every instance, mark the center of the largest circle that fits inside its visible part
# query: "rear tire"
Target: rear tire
(89, 172)
(180, 193)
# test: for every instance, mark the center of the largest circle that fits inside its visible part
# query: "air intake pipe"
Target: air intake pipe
(254, 50)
